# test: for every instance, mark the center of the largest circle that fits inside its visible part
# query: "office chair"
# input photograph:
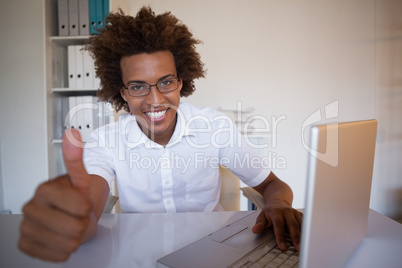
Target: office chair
(110, 203)
(230, 192)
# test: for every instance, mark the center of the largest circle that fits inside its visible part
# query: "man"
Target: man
(145, 65)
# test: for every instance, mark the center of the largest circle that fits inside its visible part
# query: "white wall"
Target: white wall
(22, 109)
(291, 58)
(387, 184)
(283, 58)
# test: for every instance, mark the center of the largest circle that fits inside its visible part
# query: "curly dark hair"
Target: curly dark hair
(125, 35)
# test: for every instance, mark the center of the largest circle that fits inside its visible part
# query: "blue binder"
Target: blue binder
(92, 16)
(106, 10)
(99, 14)
(98, 11)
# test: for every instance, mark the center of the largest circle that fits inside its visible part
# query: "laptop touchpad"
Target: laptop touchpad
(242, 239)
(238, 236)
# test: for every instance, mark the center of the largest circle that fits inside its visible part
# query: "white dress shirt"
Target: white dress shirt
(183, 175)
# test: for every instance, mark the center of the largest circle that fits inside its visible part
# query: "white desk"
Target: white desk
(138, 240)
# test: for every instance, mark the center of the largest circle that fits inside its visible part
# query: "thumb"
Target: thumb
(72, 153)
(261, 223)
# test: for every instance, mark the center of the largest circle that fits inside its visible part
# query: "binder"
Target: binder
(99, 14)
(78, 116)
(96, 113)
(58, 117)
(88, 117)
(106, 10)
(79, 67)
(92, 16)
(72, 118)
(73, 17)
(59, 66)
(71, 67)
(62, 12)
(88, 70)
(96, 81)
(65, 107)
(83, 17)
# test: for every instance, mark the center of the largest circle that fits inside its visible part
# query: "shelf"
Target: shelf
(75, 91)
(60, 142)
(69, 40)
(57, 141)
(236, 111)
(256, 134)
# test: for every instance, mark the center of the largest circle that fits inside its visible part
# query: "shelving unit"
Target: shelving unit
(57, 86)
(58, 91)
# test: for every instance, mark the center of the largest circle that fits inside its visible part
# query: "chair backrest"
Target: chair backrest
(111, 201)
(230, 190)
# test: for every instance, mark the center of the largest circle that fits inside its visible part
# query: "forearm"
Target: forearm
(278, 211)
(274, 190)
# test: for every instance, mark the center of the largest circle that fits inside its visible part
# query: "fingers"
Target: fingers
(294, 226)
(58, 195)
(55, 247)
(261, 223)
(59, 224)
(279, 230)
(293, 223)
(57, 217)
(38, 250)
(55, 220)
(72, 154)
(283, 221)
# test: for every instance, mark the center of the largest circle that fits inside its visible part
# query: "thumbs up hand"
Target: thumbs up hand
(72, 154)
(57, 219)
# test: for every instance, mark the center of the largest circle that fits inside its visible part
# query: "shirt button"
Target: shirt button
(167, 182)
(168, 202)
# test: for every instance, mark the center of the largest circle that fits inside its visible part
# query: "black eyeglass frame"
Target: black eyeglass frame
(154, 85)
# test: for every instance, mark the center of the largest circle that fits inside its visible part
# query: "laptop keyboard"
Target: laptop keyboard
(269, 255)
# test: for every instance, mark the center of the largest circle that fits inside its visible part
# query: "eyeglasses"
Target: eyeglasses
(140, 89)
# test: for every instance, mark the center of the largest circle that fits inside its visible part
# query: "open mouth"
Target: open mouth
(157, 115)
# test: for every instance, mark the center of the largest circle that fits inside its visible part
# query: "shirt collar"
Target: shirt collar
(135, 137)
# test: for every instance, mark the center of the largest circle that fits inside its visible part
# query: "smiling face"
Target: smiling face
(155, 112)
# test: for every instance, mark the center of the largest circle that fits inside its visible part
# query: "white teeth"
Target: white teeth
(156, 115)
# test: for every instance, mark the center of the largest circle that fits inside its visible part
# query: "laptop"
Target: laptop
(340, 167)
